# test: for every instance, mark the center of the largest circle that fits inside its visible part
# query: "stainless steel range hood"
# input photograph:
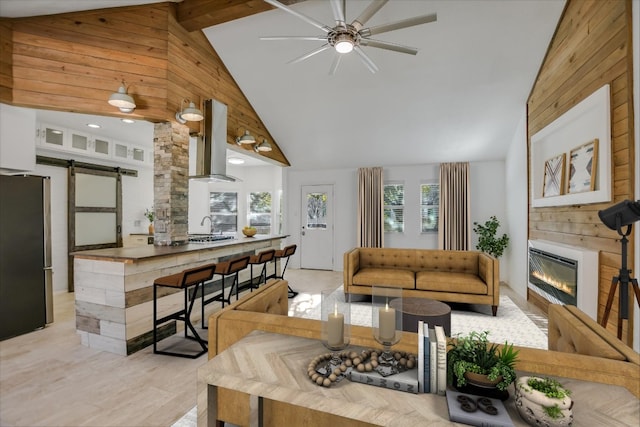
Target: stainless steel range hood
(211, 158)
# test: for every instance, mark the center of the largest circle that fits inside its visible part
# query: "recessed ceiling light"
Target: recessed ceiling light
(94, 126)
(129, 121)
(235, 160)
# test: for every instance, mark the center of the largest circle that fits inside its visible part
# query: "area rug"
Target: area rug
(511, 324)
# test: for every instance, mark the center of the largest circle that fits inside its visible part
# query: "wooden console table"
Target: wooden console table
(271, 368)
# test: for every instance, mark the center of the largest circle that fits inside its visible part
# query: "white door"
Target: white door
(316, 236)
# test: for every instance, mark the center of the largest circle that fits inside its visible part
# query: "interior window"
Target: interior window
(429, 207)
(260, 211)
(224, 211)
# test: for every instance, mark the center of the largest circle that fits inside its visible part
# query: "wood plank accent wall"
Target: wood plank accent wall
(74, 61)
(6, 61)
(591, 47)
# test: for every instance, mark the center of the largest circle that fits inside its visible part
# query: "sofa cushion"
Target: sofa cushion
(388, 258)
(450, 282)
(447, 261)
(392, 277)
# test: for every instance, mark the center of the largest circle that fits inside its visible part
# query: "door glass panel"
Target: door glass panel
(317, 211)
(94, 228)
(79, 141)
(95, 191)
(54, 136)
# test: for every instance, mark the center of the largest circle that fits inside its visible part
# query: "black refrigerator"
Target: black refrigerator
(26, 289)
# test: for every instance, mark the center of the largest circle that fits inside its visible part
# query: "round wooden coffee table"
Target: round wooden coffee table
(429, 311)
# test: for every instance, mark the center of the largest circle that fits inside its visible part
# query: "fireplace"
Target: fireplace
(575, 270)
(555, 275)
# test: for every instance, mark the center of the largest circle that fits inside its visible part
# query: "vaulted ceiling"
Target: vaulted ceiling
(459, 99)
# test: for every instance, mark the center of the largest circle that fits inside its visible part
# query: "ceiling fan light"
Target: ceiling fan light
(344, 45)
(247, 138)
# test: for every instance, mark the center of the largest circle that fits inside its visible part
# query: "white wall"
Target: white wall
(517, 208)
(487, 185)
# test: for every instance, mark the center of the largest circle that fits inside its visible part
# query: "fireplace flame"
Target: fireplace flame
(550, 280)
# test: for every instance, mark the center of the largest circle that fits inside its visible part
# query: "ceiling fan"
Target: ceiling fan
(345, 38)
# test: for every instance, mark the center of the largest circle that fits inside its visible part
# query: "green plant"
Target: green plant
(150, 214)
(487, 240)
(552, 389)
(474, 353)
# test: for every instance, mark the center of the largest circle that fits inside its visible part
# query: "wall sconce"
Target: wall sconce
(247, 138)
(263, 146)
(189, 114)
(122, 100)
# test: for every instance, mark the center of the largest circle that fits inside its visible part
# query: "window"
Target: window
(224, 212)
(260, 211)
(317, 211)
(394, 208)
(429, 207)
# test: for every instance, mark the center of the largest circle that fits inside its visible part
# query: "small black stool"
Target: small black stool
(286, 252)
(193, 277)
(261, 258)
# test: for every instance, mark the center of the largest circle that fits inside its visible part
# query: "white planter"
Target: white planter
(531, 403)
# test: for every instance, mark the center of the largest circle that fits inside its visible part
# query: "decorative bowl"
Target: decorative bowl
(249, 232)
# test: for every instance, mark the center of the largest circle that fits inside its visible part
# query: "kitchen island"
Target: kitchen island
(114, 288)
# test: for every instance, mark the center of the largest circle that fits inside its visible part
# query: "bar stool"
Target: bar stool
(261, 258)
(226, 268)
(193, 277)
(286, 252)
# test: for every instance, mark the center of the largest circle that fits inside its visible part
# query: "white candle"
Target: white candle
(335, 328)
(387, 323)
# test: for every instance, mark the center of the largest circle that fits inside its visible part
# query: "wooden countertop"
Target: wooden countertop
(135, 254)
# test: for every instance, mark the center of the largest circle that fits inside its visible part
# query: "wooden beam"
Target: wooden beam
(198, 14)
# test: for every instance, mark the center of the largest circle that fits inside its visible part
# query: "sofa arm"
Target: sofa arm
(351, 267)
(489, 272)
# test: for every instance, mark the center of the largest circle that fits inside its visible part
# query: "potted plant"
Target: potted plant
(150, 214)
(543, 402)
(487, 240)
(472, 359)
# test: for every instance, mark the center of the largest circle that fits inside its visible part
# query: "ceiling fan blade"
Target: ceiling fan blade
(388, 46)
(305, 18)
(365, 59)
(338, 7)
(315, 38)
(335, 63)
(310, 54)
(410, 22)
(366, 14)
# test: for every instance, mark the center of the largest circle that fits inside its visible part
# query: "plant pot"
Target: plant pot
(531, 406)
(481, 380)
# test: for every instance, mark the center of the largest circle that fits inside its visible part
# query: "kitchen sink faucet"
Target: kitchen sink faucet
(210, 217)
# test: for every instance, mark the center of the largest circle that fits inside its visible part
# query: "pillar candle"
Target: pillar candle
(387, 323)
(335, 329)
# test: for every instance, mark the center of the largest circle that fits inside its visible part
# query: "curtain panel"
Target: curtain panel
(455, 207)
(370, 208)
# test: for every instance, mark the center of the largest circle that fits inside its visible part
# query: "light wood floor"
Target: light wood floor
(47, 378)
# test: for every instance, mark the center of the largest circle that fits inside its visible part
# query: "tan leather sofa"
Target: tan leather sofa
(266, 309)
(454, 276)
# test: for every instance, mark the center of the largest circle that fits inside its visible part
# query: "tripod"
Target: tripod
(624, 279)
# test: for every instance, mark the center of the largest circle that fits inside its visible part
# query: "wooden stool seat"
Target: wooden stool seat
(261, 258)
(285, 252)
(193, 277)
(226, 268)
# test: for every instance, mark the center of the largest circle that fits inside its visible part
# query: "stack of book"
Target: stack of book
(432, 359)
